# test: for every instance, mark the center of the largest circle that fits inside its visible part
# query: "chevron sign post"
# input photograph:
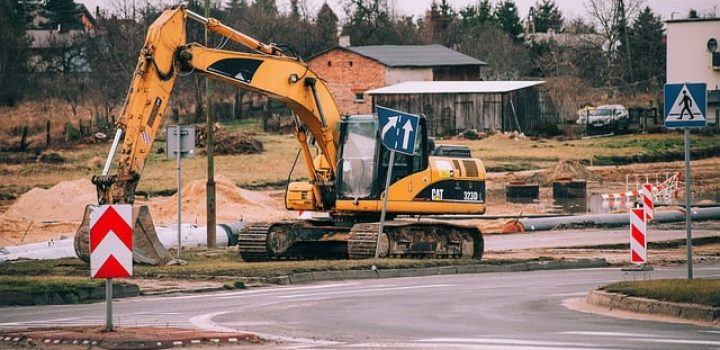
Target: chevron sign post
(648, 201)
(638, 236)
(111, 242)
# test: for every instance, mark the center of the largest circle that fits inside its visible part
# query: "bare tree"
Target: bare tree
(612, 18)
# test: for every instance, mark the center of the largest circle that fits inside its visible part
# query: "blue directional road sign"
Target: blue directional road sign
(398, 130)
(685, 105)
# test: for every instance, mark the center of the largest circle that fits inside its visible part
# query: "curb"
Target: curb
(693, 312)
(78, 295)
(19, 338)
(316, 276)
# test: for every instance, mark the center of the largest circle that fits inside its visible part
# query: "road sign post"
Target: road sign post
(181, 143)
(638, 236)
(398, 131)
(685, 106)
(111, 255)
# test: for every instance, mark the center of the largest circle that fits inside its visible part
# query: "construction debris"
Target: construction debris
(562, 170)
(227, 141)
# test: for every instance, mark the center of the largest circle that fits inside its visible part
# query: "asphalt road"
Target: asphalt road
(520, 310)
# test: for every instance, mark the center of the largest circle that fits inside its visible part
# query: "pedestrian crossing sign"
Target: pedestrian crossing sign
(685, 105)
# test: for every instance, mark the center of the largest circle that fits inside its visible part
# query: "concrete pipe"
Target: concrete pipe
(604, 220)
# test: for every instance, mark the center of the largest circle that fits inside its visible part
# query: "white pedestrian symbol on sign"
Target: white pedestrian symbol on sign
(685, 107)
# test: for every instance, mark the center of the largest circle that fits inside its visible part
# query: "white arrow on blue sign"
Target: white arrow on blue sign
(398, 130)
(685, 105)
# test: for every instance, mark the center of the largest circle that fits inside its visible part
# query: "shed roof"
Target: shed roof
(454, 87)
(413, 55)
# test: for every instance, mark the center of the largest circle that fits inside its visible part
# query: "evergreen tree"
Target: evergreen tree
(13, 52)
(647, 50)
(266, 6)
(326, 25)
(235, 6)
(370, 23)
(508, 19)
(63, 13)
(294, 10)
(546, 16)
(477, 16)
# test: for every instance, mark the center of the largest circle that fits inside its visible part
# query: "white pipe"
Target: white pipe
(192, 236)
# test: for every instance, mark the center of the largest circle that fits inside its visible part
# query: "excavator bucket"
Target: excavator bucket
(147, 248)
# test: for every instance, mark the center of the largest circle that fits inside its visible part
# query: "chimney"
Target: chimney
(344, 41)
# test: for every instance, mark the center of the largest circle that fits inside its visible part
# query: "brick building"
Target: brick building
(351, 71)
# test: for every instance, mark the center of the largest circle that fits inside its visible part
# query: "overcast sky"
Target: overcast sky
(569, 8)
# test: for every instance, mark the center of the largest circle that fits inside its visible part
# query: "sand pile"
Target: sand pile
(43, 214)
(46, 213)
(564, 169)
(233, 203)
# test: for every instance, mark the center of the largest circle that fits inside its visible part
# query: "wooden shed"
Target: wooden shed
(454, 106)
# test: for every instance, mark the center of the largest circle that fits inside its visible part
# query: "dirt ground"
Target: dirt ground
(43, 214)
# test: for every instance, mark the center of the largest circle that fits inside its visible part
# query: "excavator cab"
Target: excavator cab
(364, 162)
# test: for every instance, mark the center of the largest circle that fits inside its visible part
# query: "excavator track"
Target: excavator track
(363, 241)
(253, 243)
(415, 240)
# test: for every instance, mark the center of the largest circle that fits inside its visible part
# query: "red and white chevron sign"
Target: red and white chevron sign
(111, 241)
(648, 201)
(638, 236)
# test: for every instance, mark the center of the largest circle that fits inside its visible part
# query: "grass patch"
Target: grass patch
(226, 265)
(37, 285)
(697, 291)
(270, 168)
(519, 166)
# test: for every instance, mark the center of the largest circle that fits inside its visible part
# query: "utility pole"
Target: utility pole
(210, 142)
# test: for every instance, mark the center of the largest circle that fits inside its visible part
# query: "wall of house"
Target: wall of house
(348, 75)
(452, 73)
(450, 114)
(399, 75)
(688, 59)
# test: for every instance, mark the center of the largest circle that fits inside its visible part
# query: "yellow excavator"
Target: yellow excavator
(345, 179)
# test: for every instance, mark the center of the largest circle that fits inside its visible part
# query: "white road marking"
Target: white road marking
(680, 341)
(648, 337)
(363, 290)
(205, 322)
(506, 341)
(611, 334)
(576, 294)
(243, 293)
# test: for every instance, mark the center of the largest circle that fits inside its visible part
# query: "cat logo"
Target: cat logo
(437, 194)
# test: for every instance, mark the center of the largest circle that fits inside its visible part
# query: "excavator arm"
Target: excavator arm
(269, 71)
(165, 54)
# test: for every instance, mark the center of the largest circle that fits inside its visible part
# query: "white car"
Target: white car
(605, 115)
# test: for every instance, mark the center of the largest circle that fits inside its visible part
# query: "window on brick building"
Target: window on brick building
(329, 63)
(350, 63)
(359, 97)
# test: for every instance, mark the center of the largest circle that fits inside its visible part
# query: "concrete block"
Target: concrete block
(360, 274)
(447, 270)
(389, 273)
(466, 269)
(301, 277)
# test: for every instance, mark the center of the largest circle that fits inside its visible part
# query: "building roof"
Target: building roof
(688, 20)
(412, 55)
(454, 87)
